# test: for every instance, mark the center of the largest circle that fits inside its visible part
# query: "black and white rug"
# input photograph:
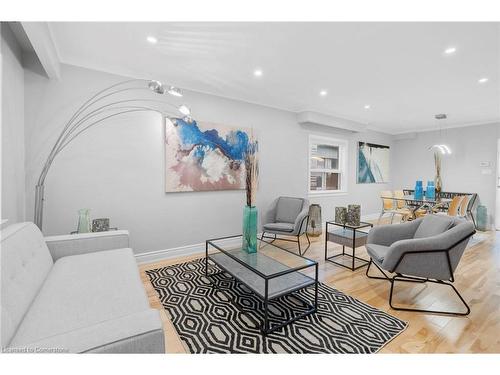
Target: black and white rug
(226, 318)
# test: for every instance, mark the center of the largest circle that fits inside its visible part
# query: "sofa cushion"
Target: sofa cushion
(135, 333)
(25, 262)
(83, 290)
(288, 209)
(433, 225)
(279, 227)
(377, 252)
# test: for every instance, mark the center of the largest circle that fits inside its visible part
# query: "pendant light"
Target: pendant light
(441, 147)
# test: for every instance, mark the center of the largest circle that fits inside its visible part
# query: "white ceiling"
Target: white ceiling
(398, 68)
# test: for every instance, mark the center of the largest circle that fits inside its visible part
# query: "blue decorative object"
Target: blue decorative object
(419, 190)
(250, 229)
(482, 218)
(430, 191)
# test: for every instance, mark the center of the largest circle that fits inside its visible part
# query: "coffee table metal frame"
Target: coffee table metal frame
(265, 326)
(344, 254)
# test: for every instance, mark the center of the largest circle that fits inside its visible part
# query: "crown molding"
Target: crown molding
(316, 118)
(43, 44)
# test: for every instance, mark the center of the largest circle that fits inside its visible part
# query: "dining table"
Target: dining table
(429, 204)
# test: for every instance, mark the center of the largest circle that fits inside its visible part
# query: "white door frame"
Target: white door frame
(497, 206)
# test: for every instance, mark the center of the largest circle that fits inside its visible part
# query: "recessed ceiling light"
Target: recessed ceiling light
(151, 39)
(257, 72)
(450, 50)
(483, 80)
(368, 106)
(323, 93)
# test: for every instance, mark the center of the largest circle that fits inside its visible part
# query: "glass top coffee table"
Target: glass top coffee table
(272, 272)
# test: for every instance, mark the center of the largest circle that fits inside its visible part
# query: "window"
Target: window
(327, 161)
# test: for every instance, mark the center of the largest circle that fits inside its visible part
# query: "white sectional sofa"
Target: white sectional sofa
(75, 293)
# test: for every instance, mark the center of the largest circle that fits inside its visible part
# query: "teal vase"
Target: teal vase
(84, 221)
(482, 218)
(250, 229)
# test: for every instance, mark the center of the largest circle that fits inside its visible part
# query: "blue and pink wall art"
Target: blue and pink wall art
(203, 156)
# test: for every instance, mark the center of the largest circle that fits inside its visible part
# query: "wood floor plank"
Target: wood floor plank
(477, 279)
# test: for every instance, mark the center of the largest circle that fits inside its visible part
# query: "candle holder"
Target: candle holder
(340, 215)
(354, 215)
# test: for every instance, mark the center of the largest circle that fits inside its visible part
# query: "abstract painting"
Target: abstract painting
(373, 163)
(202, 156)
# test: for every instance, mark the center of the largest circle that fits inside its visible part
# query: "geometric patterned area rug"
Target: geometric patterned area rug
(221, 315)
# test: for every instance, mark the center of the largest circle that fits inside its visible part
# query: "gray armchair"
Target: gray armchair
(424, 250)
(289, 217)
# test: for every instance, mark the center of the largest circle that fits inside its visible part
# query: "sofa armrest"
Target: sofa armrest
(141, 332)
(75, 244)
(386, 235)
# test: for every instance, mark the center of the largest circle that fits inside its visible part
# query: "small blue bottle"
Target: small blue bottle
(430, 191)
(419, 190)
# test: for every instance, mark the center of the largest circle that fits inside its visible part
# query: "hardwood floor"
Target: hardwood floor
(477, 279)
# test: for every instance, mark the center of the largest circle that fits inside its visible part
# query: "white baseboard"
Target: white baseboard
(181, 251)
(199, 248)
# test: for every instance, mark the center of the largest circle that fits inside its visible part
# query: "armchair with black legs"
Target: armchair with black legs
(289, 217)
(424, 250)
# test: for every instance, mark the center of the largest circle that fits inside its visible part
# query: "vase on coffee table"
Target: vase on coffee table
(249, 241)
(250, 229)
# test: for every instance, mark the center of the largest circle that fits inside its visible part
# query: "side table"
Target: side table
(347, 236)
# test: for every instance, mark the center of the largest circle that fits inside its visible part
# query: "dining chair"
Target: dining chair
(455, 206)
(387, 205)
(401, 206)
(461, 205)
(462, 211)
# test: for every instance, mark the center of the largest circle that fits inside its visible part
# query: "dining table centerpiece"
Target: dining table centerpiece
(250, 214)
(438, 183)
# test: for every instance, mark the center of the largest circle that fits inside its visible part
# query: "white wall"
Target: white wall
(12, 94)
(461, 171)
(117, 169)
(367, 195)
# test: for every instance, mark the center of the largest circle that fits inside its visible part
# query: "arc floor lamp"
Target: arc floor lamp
(100, 107)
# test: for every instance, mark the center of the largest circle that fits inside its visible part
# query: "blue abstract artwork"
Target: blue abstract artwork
(373, 163)
(204, 156)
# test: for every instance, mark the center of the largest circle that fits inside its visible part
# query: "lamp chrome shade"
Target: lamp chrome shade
(156, 86)
(174, 91)
(443, 149)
